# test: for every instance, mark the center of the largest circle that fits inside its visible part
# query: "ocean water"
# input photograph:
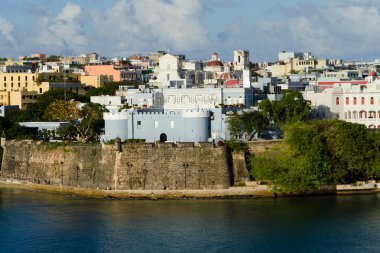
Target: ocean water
(42, 222)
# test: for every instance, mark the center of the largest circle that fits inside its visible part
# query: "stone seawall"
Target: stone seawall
(136, 167)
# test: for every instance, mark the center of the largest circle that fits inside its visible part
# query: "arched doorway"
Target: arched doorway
(163, 137)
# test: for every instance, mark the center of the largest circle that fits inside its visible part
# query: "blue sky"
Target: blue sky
(346, 29)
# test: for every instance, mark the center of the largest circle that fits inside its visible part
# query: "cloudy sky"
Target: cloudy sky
(346, 29)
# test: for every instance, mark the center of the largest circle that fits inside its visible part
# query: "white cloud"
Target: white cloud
(63, 32)
(329, 29)
(6, 29)
(144, 25)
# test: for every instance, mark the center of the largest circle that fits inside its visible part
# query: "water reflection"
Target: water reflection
(48, 222)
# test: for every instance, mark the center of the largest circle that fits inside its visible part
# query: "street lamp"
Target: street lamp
(185, 166)
(129, 165)
(145, 171)
(200, 171)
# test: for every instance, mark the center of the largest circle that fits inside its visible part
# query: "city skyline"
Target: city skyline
(328, 29)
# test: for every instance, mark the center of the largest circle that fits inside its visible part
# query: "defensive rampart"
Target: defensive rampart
(136, 166)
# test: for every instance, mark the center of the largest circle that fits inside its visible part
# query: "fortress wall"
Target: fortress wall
(137, 166)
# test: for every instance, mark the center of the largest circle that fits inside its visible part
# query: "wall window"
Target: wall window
(362, 100)
(372, 101)
(172, 124)
(337, 101)
(139, 124)
(355, 101)
(155, 124)
(347, 100)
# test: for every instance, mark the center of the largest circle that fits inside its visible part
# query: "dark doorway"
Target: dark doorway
(163, 137)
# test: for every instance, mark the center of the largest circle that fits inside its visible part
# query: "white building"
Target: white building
(349, 102)
(169, 73)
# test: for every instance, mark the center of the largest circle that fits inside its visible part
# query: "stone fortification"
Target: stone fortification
(258, 147)
(137, 166)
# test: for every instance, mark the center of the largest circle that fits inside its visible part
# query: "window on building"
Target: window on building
(362, 100)
(355, 101)
(19, 78)
(155, 124)
(337, 101)
(40, 90)
(372, 101)
(26, 78)
(11, 85)
(172, 124)
(347, 100)
(139, 124)
(11, 78)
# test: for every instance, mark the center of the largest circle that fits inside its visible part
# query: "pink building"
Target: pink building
(117, 74)
(105, 70)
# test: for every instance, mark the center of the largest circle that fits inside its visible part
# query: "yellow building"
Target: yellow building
(95, 81)
(22, 88)
(20, 98)
(294, 65)
(18, 81)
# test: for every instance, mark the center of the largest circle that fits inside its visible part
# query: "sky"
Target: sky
(331, 29)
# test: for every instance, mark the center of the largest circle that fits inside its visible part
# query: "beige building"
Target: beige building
(95, 81)
(22, 88)
(19, 98)
(294, 65)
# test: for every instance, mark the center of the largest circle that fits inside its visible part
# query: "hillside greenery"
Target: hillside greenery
(318, 153)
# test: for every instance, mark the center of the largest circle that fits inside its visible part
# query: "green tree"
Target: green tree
(289, 109)
(319, 153)
(36, 111)
(247, 124)
(108, 89)
(53, 58)
(87, 121)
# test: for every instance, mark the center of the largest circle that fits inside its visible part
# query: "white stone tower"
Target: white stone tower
(241, 60)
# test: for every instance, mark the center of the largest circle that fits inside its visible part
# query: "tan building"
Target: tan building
(22, 88)
(95, 81)
(19, 98)
(18, 81)
(294, 65)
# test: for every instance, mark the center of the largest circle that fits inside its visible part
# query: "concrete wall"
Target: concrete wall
(137, 166)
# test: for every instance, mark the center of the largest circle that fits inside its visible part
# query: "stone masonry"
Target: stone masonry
(137, 166)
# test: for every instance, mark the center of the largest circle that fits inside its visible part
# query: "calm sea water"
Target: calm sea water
(41, 222)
